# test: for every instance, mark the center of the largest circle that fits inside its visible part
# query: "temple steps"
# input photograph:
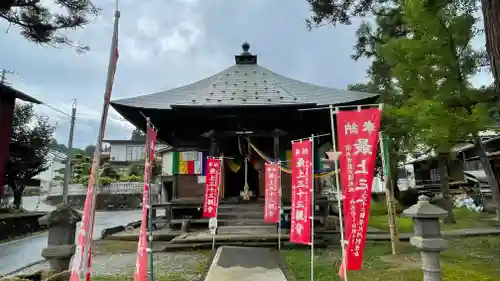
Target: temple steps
(249, 214)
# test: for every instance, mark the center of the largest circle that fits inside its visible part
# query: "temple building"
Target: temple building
(8, 97)
(246, 113)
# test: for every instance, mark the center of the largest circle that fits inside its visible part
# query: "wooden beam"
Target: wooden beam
(253, 133)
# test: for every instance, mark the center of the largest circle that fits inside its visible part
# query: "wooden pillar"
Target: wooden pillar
(213, 146)
(276, 147)
(6, 115)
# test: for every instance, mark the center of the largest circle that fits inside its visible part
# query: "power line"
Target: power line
(56, 109)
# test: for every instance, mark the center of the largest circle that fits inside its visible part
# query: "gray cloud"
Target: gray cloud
(164, 44)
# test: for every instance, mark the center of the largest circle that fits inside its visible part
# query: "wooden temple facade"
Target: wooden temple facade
(247, 114)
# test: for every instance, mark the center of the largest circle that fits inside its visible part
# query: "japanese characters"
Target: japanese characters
(273, 190)
(302, 177)
(211, 199)
(357, 139)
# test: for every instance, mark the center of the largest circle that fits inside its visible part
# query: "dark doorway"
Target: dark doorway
(235, 181)
(237, 148)
(168, 188)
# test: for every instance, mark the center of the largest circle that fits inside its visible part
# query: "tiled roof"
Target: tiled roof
(245, 84)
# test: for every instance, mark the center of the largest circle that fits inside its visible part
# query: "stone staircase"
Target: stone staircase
(241, 218)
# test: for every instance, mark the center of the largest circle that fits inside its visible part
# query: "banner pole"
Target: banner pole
(149, 249)
(280, 210)
(339, 194)
(218, 196)
(388, 192)
(312, 206)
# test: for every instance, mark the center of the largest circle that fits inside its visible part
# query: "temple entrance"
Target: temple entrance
(243, 161)
(235, 180)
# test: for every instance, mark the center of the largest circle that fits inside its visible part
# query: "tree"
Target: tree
(28, 148)
(386, 13)
(39, 22)
(341, 12)
(388, 25)
(58, 146)
(137, 135)
(434, 66)
(89, 150)
(491, 18)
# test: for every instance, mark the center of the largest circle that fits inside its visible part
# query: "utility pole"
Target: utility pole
(69, 156)
(3, 78)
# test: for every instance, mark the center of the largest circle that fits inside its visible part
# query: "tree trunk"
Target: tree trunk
(445, 187)
(18, 196)
(492, 181)
(491, 17)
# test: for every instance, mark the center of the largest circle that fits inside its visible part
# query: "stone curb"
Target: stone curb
(21, 269)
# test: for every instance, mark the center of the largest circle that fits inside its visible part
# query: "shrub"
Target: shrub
(409, 197)
(102, 180)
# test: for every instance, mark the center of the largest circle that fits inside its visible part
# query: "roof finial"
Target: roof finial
(245, 46)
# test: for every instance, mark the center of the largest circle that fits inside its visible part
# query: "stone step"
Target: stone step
(242, 222)
(243, 229)
(241, 215)
(208, 245)
(241, 207)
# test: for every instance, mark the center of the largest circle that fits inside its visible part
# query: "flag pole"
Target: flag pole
(100, 136)
(339, 194)
(148, 167)
(221, 158)
(388, 192)
(280, 209)
(312, 207)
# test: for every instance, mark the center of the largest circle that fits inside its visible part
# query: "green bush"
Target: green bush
(408, 198)
(131, 178)
(380, 208)
(102, 180)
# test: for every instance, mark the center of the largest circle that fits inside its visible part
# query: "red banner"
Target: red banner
(302, 177)
(357, 138)
(84, 233)
(141, 263)
(211, 200)
(273, 190)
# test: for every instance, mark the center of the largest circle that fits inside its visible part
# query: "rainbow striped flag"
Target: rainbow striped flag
(188, 163)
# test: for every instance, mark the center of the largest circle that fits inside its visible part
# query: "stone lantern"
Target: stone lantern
(427, 239)
(61, 243)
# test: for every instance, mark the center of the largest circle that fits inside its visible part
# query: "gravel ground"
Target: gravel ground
(190, 264)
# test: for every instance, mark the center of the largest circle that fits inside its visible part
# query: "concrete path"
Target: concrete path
(241, 264)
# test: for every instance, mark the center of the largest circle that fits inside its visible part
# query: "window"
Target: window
(135, 153)
(473, 165)
(435, 175)
(129, 153)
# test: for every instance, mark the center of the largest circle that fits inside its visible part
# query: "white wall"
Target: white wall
(55, 163)
(118, 152)
(167, 161)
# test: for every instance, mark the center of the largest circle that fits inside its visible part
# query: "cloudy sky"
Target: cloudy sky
(168, 43)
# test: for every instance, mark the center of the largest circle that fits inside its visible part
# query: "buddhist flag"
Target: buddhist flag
(188, 163)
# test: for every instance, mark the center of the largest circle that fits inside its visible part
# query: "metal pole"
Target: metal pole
(388, 195)
(280, 209)
(217, 209)
(69, 156)
(339, 194)
(312, 207)
(149, 249)
(97, 151)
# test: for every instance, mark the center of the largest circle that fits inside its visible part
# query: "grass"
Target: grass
(474, 258)
(464, 217)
